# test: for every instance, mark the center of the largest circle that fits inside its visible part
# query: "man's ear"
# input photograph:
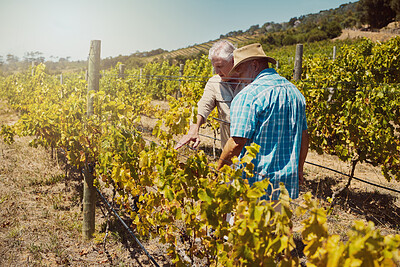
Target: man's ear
(260, 65)
(256, 66)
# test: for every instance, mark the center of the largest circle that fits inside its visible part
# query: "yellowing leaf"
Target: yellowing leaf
(202, 194)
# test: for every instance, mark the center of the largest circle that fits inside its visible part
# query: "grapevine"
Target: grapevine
(186, 203)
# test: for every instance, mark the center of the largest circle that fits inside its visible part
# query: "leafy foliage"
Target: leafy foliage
(186, 204)
(378, 13)
(353, 104)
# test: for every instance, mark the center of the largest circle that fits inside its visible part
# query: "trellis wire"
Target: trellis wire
(202, 80)
(311, 163)
(127, 227)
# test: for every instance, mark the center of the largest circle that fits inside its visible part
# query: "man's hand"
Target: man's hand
(192, 136)
(233, 147)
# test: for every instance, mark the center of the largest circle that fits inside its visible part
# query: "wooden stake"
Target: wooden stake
(93, 73)
(33, 68)
(334, 53)
(179, 93)
(298, 62)
(89, 192)
(121, 74)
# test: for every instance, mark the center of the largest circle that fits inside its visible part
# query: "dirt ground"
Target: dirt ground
(41, 214)
(41, 210)
(390, 31)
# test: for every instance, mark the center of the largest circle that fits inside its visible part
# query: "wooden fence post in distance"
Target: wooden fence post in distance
(334, 53)
(121, 73)
(33, 68)
(179, 93)
(298, 62)
(89, 192)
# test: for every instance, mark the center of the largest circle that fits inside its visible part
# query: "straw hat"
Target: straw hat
(249, 52)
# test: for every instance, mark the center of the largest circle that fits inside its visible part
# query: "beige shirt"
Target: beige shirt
(218, 94)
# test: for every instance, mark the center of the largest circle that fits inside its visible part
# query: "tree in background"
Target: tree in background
(34, 57)
(12, 59)
(332, 29)
(350, 20)
(292, 21)
(395, 5)
(289, 40)
(378, 13)
(316, 35)
(253, 29)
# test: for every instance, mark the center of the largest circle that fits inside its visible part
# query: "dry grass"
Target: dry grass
(41, 215)
(7, 115)
(381, 36)
(360, 202)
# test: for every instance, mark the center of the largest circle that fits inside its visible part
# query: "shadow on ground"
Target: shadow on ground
(377, 207)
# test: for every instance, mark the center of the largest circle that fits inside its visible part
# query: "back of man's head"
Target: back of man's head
(263, 64)
(222, 49)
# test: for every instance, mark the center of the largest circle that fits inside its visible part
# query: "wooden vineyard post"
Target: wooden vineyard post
(334, 53)
(179, 93)
(62, 90)
(298, 62)
(33, 68)
(121, 74)
(89, 192)
(93, 73)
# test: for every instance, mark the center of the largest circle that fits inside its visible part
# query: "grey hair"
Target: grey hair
(223, 49)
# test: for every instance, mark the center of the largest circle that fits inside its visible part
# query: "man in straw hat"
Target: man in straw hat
(269, 111)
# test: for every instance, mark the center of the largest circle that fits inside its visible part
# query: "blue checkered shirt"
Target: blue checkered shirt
(271, 113)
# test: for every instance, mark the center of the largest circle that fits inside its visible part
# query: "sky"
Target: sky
(64, 28)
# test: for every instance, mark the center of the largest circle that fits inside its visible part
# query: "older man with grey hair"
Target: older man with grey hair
(218, 92)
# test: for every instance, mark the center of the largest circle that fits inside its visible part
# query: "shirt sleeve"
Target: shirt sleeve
(243, 116)
(208, 101)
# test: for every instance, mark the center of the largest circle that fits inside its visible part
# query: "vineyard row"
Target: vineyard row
(356, 125)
